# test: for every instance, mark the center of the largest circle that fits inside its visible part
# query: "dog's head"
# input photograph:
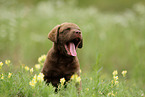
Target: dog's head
(67, 35)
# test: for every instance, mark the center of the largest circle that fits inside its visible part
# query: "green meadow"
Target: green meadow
(112, 59)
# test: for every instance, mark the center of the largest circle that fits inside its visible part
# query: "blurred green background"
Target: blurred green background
(113, 33)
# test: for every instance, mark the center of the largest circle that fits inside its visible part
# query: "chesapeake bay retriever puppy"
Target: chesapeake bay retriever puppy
(61, 60)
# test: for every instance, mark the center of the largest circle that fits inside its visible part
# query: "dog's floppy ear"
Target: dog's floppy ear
(53, 34)
(81, 44)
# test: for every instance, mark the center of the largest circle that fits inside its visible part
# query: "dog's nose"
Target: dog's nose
(78, 32)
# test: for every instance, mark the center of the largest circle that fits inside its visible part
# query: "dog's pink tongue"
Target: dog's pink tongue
(72, 49)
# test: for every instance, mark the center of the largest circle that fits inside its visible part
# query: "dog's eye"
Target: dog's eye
(66, 30)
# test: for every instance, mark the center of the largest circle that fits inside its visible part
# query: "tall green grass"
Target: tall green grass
(116, 38)
(27, 83)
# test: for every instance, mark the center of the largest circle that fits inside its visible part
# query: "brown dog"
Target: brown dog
(61, 60)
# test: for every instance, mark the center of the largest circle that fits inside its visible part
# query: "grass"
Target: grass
(115, 40)
(22, 83)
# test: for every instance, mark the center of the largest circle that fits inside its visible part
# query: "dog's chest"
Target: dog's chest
(66, 64)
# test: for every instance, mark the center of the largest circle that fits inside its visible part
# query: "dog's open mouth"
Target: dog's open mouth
(72, 46)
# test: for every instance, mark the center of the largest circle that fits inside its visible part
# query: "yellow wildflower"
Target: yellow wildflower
(32, 83)
(124, 73)
(80, 71)
(7, 62)
(74, 77)
(1, 64)
(115, 73)
(111, 94)
(62, 80)
(35, 77)
(40, 77)
(42, 59)
(115, 78)
(9, 75)
(116, 82)
(31, 70)
(37, 66)
(26, 68)
(2, 76)
(112, 81)
(87, 89)
(78, 79)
